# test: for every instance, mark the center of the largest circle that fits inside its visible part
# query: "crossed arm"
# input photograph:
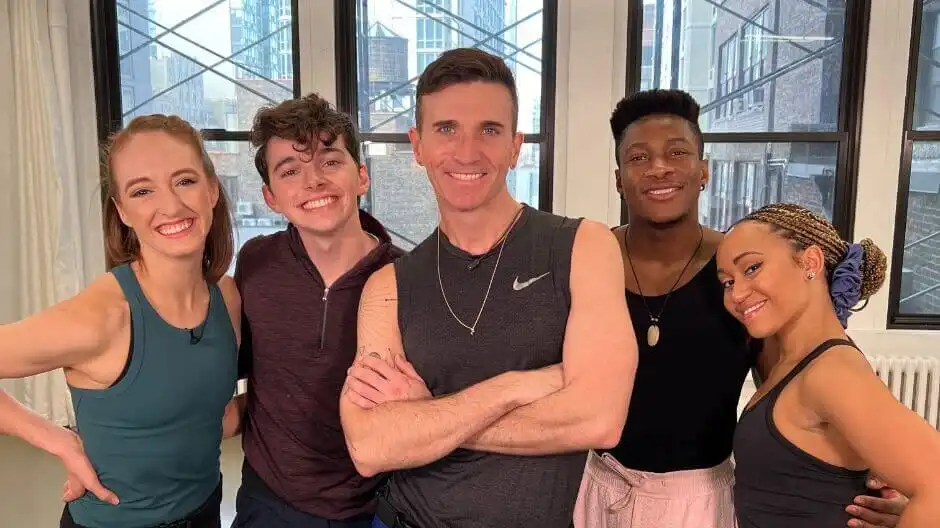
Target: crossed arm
(600, 358)
(536, 412)
(411, 433)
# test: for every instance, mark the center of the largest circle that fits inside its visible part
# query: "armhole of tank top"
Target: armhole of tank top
(562, 253)
(218, 309)
(402, 308)
(135, 350)
(772, 404)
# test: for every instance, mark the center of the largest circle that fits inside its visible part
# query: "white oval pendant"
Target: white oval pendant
(652, 335)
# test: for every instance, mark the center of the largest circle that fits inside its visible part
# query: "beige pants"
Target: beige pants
(613, 496)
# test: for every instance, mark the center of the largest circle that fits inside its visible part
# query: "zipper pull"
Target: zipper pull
(326, 292)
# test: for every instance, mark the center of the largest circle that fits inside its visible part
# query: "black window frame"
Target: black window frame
(898, 320)
(851, 88)
(348, 91)
(106, 66)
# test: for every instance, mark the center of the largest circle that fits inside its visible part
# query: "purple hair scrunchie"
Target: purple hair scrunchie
(845, 285)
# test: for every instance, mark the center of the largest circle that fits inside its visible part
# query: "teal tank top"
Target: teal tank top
(154, 437)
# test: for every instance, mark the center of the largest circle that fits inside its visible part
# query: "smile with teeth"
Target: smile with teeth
(175, 228)
(662, 192)
(751, 311)
(467, 176)
(316, 204)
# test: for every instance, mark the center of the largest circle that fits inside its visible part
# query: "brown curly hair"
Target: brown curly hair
(121, 243)
(804, 228)
(299, 120)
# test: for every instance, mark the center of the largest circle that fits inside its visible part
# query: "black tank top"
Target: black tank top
(684, 406)
(522, 327)
(778, 485)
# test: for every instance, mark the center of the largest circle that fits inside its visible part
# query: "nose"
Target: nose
(313, 178)
(659, 168)
(467, 150)
(171, 204)
(739, 291)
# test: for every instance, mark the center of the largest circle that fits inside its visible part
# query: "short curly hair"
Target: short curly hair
(299, 120)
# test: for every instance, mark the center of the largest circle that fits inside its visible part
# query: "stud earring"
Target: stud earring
(811, 275)
(702, 187)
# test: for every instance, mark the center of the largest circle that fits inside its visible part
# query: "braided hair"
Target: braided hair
(804, 228)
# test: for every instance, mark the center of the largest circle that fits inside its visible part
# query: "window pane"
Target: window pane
(234, 163)
(405, 36)
(926, 103)
(920, 265)
(754, 66)
(212, 63)
(402, 199)
(747, 176)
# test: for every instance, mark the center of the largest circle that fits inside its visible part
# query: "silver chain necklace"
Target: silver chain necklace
(502, 245)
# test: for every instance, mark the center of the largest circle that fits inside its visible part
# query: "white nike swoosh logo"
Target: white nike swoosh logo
(516, 285)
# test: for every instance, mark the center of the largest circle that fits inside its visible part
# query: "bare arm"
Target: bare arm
(404, 434)
(70, 334)
(17, 420)
(600, 358)
(235, 410)
(895, 442)
(66, 335)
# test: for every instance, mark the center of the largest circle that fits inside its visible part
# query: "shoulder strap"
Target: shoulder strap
(127, 279)
(818, 351)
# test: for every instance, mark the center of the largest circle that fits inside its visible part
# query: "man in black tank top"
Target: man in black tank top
(496, 314)
(671, 466)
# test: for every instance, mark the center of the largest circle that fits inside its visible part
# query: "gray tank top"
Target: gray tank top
(522, 327)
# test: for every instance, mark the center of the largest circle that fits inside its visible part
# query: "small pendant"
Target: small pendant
(471, 331)
(652, 334)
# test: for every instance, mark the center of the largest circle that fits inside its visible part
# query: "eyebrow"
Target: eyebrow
(745, 254)
(318, 152)
(283, 161)
(676, 139)
(737, 258)
(453, 122)
(145, 179)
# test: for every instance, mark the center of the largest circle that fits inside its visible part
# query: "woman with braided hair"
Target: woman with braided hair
(806, 441)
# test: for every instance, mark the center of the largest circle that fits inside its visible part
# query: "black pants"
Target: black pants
(206, 516)
(256, 506)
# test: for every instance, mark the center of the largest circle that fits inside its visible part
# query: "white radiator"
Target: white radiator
(915, 381)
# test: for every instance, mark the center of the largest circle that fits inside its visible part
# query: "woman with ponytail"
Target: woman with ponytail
(149, 348)
(822, 419)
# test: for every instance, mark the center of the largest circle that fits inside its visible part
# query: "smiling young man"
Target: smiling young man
(671, 467)
(498, 312)
(300, 293)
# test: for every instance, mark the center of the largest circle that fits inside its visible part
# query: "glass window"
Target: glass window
(768, 77)
(747, 176)
(790, 49)
(214, 64)
(915, 280)
(402, 39)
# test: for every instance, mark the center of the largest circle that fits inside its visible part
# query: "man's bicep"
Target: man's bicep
(600, 335)
(377, 332)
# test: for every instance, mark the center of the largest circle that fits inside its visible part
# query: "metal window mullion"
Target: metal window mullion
(774, 137)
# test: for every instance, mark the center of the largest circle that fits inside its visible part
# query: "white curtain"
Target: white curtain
(48, 159)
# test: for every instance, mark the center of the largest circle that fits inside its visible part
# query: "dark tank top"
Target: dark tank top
(154, 436)
(684, 406)
(777, 484)
(522, 327)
